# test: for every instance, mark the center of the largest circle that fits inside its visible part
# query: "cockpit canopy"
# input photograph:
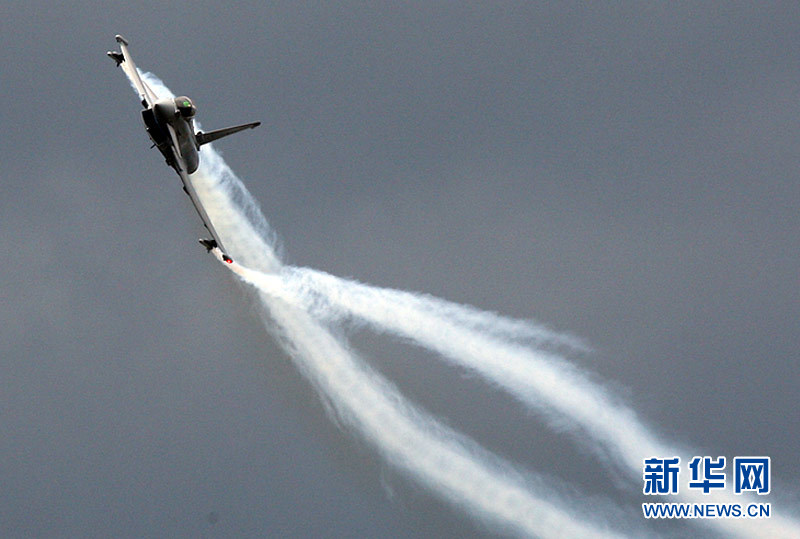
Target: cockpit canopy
(185, 106)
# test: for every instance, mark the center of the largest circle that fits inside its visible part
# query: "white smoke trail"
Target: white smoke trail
(538, 379)
(448, 463)
(557, 387)
(467, 317)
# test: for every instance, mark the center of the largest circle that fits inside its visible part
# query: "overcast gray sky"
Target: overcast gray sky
(627, 174)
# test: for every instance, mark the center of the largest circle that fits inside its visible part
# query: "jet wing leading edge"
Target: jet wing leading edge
(125, 61)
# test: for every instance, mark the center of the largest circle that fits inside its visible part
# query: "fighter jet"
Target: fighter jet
(169, 123)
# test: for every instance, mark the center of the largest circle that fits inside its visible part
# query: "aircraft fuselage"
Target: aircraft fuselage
(170, 124)
(164, 113)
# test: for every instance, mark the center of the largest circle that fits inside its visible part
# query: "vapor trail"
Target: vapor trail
(448, 463)
(537, 378)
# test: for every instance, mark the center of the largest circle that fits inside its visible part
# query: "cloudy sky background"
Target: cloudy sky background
(626, 174)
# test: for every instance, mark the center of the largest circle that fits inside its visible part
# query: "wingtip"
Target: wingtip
(121, 39)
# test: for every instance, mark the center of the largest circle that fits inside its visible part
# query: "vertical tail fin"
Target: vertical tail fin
(205, 138)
